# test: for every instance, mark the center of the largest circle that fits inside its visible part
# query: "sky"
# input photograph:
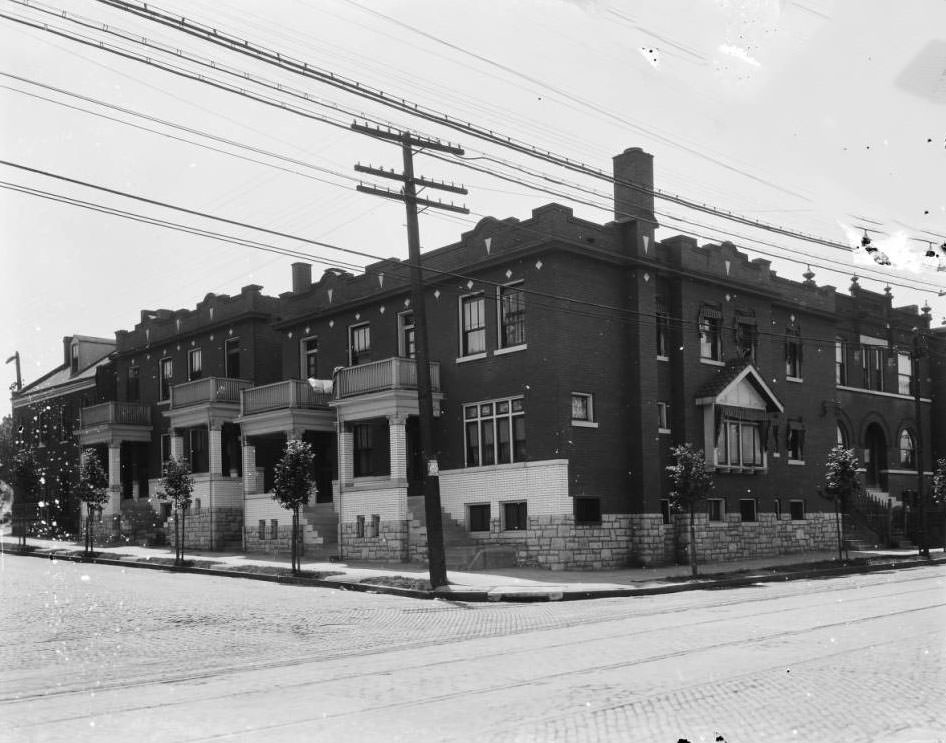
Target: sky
(822, 118)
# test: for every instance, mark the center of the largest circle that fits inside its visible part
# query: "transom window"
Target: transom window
(739, 444)
(472, 325)
(195, 364)
(495, 432)
(512, 316)
(359, 344)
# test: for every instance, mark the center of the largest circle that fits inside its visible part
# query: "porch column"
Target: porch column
(250, 484)
(398, 447)
(215, 450)
(114, 479)
(345, 452)
(177, 444)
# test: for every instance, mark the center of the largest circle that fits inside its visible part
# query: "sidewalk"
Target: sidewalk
(510, 584)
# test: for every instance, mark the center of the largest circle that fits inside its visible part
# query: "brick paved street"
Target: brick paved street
(102, 653)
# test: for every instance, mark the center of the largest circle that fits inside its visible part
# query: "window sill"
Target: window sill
(471, 357)
(663, 430)
(796, 380)
(662, 358)
(728, 469)
(712, 362)
(796, 462)
(509, 349)
(585, 424)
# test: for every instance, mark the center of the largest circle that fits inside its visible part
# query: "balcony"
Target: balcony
(288, 407)
(208, 391)
(379, 376)
(115, 413)
(114, 422)
(290, 393)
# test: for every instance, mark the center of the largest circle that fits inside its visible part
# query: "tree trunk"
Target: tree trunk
(177, 537)
(88, 528)
(837, 521)
(693, 567)
(295, 540)
(183, 532)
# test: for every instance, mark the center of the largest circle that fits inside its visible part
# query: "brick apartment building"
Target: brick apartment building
(567, 358)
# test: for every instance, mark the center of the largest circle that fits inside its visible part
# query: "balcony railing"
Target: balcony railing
(117, 413)
(211, 389)
(290, 393)
(388, 374)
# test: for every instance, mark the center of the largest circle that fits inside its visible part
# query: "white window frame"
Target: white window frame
(498, 419)
(663, 416)
(840, 362)
(195, 353)
(463, 351)
(402, 327)
(74, 358)
(711, 338)
(305, 353)
(500, 324)
(726, 423)
(591, 421)
(900, 449)
(351, 342)
(905, 376)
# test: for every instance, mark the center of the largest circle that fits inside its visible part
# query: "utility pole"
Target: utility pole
(924, 549)
(19, 380)
(436, 559)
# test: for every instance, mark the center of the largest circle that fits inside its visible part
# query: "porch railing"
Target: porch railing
(290, 393)
(211, 389)
(118, 413)
(388, 374)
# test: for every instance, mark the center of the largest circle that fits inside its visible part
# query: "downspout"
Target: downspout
(338, 458)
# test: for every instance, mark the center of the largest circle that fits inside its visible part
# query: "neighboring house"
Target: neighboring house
(46, 419)
(567, 359)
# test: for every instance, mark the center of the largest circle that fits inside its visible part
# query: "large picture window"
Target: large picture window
(495, 432)
(739, 444)
(512, 316)
(472, 325)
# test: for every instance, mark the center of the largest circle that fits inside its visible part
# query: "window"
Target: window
(777, 508)
(907, 449)
(874, 368)
(309, 355)
(796, 508)
(261, 529)
(359, 344)
(795, 443)
(495, 432)
(515, 517)
(663, 417)
(478, 516)
(663, 335)
(512, 316)
(165, 447)
(374, 528)
(166, 373)
(231, 350)
(715, 509)
(583, 407)
(360, 527)
(587, 510)
(739, 444)
(371, 456)
(74, 358)
(747, 509)
(274, 528)
(746, 337)
(472, 325)
(133, 389)
(710, 347)
(793, 353)
(197, 450)
(665, 510)
(840, 362)
(904, 374)
(406, 341)
(194, 364)
(842, 436)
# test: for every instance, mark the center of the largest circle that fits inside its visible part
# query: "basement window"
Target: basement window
(587, 510)
(478, 516)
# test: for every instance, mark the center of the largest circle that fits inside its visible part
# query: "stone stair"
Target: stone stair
(462, 552)
(320, 529)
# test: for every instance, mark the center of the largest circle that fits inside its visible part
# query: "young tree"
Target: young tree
(291, 487)
(92, 490)
(938, 492)
(27, 483)
(177, 486)
(841, 483)
(691, 485)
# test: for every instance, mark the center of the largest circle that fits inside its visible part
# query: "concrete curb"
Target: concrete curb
(511, 595)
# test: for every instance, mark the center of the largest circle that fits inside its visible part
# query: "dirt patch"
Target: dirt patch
(278, 570)
(398, 581)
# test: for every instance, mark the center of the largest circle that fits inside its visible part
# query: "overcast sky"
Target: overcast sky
(815, 116)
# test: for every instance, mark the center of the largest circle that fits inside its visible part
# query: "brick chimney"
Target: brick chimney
(301, 277)
(633, 187)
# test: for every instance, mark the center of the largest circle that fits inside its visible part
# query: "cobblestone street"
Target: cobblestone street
(102, 653)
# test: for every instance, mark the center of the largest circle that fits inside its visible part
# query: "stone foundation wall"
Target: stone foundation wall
(390, 545)
(227, 528)
(652, 541)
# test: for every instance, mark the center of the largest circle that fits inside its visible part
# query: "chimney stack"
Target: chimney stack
(634, 187)
(301, 277)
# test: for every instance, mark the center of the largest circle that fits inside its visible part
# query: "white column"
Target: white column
(177, 444)
(215, 453)
(345, 452)
(250, 485)
(114, 479)
(398, 447)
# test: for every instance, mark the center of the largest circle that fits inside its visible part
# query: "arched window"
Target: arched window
(907, 449)
(842, 436)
